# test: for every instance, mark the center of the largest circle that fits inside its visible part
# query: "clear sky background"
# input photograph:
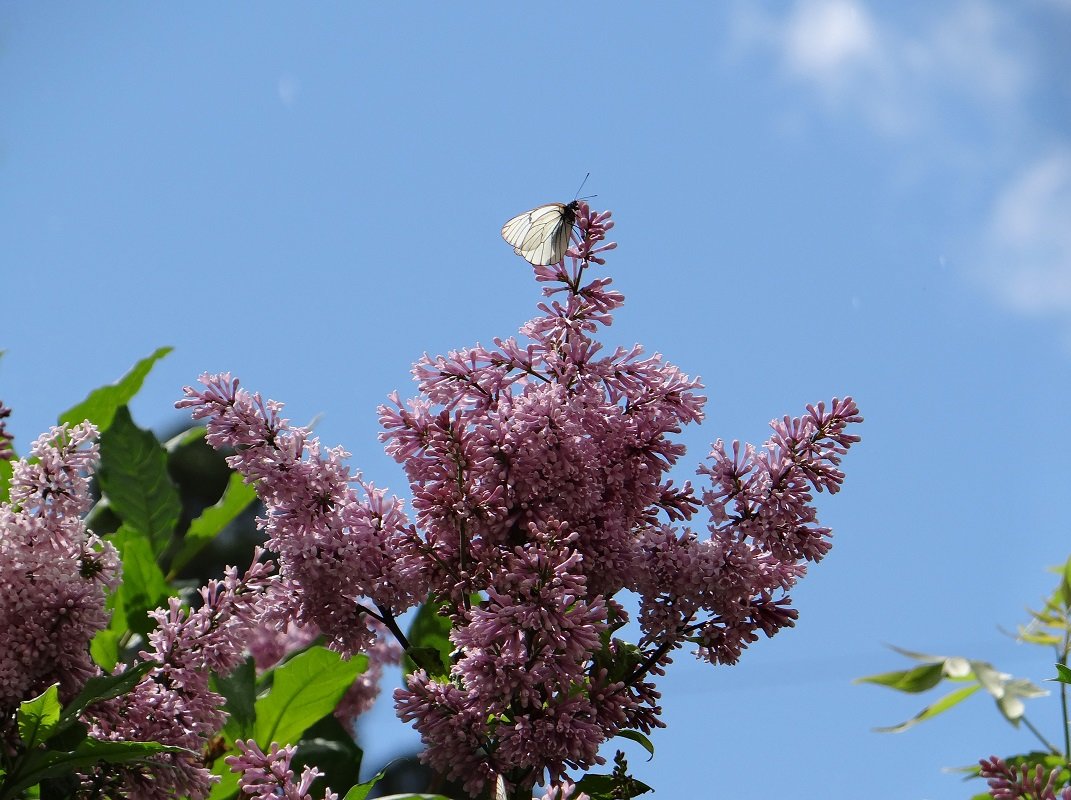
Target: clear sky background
(812, 199)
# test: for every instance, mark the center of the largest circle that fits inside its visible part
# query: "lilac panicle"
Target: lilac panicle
(539, 480)
(268, 776)
(336, 550)
(1025, 782)
(173, 704)
(54, 573)
(763, 527)
(538, 469)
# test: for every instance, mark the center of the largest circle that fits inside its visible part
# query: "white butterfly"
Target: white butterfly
(541, 236)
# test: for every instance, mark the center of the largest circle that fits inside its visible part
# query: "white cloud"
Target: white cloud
(824, 39)
(899, 80)
(1027, 257)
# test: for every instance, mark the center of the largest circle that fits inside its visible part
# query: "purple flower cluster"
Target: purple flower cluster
(173, 704)
(539, 477)
(725, 589)
(1011, 782)
(53, 572)
(335, 548)
(267, 776)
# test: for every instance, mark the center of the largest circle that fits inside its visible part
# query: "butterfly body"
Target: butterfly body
(541, 236)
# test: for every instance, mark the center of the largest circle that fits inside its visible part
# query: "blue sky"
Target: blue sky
(812, 199)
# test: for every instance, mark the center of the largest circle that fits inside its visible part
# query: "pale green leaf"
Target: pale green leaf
(948, 701)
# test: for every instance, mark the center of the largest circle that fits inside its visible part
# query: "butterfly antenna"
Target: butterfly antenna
(577, 195)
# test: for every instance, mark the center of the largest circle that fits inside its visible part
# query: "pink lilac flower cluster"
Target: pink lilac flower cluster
(727, 588)
(173, 704)
(268, 776)
(1012, 782)
(53, 572)
(337, 551)
(539, 478)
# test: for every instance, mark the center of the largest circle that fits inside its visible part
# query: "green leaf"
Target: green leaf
(1065, 584)
(105, 687)
(1063, 674)
(236, 499)
(227, 786)
(640, 739)
(186, 437)
(410, 797)
(42, 764)
(330, 748)
(914, 680)
(133, 475)
(38, 718)
(239, 690)
(5, 479)
(101, 404)
(597, 786)
(948, 701)
(304, 689)
(360, 791)
(429, 640)
(105, 648)
(143, 587)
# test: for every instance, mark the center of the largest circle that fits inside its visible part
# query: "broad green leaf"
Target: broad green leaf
(227, 786)
(948, 701)
(597, 786)
(133, 475)
(143, 587)
(429, 642)
(42, 764)
(640, 739)
(361, 790)
(914, 680)
(5, 480)
(38, 718)
(1063, 674)
(104, 648)
(410, 797)
(239, 690)
(105, 687)
(69, 735)
(330, 748)
(101, 404)
(303, 690)
(236, 499)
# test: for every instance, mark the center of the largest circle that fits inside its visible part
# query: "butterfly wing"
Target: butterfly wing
(541, 236)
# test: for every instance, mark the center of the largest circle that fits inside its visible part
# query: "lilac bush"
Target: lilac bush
(54, 573)
(538, 472)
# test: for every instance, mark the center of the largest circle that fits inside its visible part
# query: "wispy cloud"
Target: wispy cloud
(958, 83)
(898, 80)
(1026, 258)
